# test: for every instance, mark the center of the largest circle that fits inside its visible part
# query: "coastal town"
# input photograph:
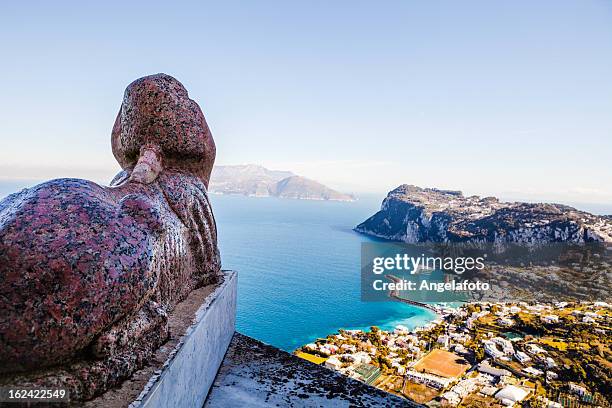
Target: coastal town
(484, 355)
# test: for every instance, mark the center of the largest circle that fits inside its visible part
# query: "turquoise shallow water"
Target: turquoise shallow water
(298, 269)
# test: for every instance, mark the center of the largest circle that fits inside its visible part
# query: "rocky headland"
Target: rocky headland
(414, 214)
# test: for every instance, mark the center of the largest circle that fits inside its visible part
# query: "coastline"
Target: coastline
(423, 317)
(481, 352)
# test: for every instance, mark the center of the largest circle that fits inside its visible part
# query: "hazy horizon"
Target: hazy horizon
(8, 186)
(491, 98)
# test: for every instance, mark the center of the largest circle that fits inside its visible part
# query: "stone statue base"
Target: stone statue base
(191, 367)
(175, 366)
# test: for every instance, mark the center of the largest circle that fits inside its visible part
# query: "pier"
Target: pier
(394, 294)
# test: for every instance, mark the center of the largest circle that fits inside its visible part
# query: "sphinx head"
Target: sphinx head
(159, 128)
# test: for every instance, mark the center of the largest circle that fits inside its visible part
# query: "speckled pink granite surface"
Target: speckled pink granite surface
(87, 272)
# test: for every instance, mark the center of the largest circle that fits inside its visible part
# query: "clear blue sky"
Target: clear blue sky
(512, 98)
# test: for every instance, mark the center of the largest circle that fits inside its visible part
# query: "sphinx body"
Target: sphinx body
(88, 273)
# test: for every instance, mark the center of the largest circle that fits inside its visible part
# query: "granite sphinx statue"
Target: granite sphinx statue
(88, 273)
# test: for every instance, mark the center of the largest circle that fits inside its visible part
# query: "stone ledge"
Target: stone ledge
(190, 370)
(254, 374)
(184, 368)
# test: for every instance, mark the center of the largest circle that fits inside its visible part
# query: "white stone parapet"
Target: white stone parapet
(189, 371)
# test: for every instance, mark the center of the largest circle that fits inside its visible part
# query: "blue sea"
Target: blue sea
(298, 267)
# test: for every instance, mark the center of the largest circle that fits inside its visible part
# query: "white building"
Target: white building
(522, 357)
(333, 363)
(428, 379)
(551, 375)
(362, 357)
(484, 367)
(550, 319)
(538, 308)
(505, 344)
(577, 389)
(535, 349)
(465, 387)
(488, 390)
(458, 348)
(452, 397)
(511, 394)
(329, 349)
(311, 347)
(460, 337)
(533, 371)
(492, 350)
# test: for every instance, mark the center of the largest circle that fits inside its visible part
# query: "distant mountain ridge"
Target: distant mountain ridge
(257, 181)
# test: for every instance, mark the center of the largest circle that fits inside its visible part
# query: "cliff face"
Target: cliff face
(413, 214)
